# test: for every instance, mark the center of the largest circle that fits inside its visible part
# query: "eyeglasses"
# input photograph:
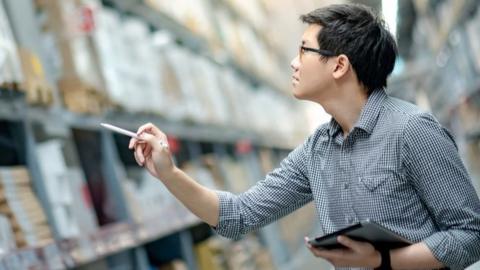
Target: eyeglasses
(304, 49)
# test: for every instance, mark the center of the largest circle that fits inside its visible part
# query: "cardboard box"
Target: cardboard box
(37, 89)
(7, 238)
(21, 207)
(81, 98)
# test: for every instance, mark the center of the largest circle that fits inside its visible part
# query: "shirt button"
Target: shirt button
(345, 185)
(349, 220)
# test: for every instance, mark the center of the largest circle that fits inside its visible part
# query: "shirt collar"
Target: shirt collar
(368, 116)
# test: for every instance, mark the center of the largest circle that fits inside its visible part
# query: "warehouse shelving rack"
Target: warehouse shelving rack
(121, 239)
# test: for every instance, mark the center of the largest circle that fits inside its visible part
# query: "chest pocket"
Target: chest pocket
(371, 183)
(381, 186)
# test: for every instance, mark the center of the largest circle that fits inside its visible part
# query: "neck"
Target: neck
(345, 106)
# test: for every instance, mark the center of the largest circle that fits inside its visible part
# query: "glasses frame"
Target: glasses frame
(325, 53)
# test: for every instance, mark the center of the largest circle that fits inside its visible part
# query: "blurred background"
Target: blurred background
(215, 76)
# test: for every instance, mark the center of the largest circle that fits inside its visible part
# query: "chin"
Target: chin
(298, 94)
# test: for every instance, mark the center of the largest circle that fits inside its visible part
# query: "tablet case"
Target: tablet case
(367, 231)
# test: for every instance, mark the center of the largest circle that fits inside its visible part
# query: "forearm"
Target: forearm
(200, 200)
(417, 256)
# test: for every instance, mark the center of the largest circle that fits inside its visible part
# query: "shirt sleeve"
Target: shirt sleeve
(431, 159)
(282, 191)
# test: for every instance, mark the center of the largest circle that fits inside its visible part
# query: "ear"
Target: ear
(342, 65)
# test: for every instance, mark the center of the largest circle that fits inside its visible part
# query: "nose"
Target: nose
(295, 63)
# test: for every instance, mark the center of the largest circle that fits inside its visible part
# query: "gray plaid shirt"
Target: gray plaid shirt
(397, 167)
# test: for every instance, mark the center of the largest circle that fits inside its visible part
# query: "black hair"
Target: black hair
(358, 32)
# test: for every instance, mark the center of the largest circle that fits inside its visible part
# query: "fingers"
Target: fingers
(139, 157)
(352, 244)
(155, 142)
(147, 152)
(132, 143)
(152, 129)
(306, 242)
(314, 250)
(330, 255)
(141, 152)
(149, 128)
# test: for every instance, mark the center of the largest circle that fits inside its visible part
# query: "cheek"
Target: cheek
(309, 77)
(315, 77)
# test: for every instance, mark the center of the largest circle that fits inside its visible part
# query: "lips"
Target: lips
(295, 81)
(295, 78)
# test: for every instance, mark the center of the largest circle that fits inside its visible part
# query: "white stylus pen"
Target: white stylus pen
(127, 132)
(120, 130)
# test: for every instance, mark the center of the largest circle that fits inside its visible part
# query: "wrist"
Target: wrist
(170, 175)
(385, 263)
(377, 259)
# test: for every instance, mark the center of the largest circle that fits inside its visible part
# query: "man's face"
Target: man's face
(310, 72)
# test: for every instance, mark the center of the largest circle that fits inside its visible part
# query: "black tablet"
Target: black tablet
(367, 231)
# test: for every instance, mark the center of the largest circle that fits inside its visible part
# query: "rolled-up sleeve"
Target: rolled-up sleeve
(431, 159)
(282, 191)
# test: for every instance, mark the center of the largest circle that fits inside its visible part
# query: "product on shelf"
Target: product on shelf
(58, 188)
(194, 15)
(192, 109)
(470, 113)
(10, 71)
(37, 89)
(212, 164)
(472, 27)
(266, 160)
(147, 197)
(199, 173)
(7, 238)
(82, 208)
(129, 61)
(295, 226)
(252, 11)
(173, 107)
(80, 82)
(208, 254)
(81, 98)
(206, 92)
(236, 174)
(21, 206)
(174, 265)
(145, 72)
(247, 253)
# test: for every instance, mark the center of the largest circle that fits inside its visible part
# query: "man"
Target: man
(379, 158)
